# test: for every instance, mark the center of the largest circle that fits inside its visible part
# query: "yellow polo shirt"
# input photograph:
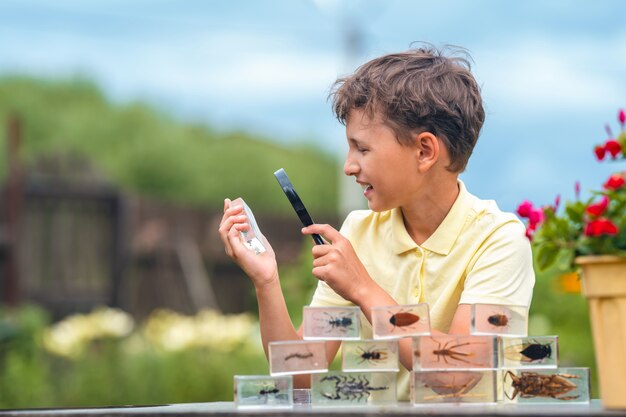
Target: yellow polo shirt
(478, 254)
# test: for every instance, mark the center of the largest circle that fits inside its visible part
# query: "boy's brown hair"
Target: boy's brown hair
(420, 90)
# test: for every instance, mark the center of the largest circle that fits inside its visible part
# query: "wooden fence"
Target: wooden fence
(79, 246)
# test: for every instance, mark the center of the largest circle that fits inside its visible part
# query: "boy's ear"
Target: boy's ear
(428, 150)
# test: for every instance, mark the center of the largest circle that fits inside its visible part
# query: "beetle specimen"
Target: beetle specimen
(403, 319)
(372, 356)
(350, 388)
(529, 352)
(298, 356)
(342, 322)
(498, 320)
(532, 384)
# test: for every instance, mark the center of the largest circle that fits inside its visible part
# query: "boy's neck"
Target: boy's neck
(423, 216)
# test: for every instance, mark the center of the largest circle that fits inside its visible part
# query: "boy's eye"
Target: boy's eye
(362, 150)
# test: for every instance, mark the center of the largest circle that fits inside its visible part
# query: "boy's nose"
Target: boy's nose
(350, 168)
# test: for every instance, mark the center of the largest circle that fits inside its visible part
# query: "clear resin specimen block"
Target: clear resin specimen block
(543, 386)
(370, 355)
(455, 352)
(533, 352)
(251, 238)
(297, 357)
(444, 387)
(263, 391)
(394, 322)
(328, 323)
(500, 320)
(353, 388)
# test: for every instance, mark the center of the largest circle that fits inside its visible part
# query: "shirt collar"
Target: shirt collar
(445, 235)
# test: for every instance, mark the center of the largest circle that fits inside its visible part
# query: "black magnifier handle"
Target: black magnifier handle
(296, 202)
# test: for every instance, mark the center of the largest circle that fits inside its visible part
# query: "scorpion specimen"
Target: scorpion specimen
(532, 384)
(350, 388)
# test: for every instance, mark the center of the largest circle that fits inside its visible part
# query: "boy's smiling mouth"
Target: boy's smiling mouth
(366, 187)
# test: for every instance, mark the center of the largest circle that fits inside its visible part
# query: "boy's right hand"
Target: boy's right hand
(262, 268)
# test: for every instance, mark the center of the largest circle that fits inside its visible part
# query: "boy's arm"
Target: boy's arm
(274, 319)
(338, 265)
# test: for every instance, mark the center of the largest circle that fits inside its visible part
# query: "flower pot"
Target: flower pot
(604, 286)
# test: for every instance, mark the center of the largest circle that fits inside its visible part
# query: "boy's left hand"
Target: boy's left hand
(337, 264)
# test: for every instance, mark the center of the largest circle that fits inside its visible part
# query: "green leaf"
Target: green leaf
(546, 255)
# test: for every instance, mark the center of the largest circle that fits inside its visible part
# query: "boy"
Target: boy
(412, 120)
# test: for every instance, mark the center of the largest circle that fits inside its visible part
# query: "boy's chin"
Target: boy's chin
(376, 207)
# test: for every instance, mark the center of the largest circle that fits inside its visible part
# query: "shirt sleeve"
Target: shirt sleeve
(502, 271)
(325, 296)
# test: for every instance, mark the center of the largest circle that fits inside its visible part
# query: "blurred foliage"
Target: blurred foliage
(123, 369)
(150, 153)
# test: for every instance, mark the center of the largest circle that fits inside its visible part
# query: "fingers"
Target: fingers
(327, 232)
(232, 241)
(320, 250)
(228, 222)
(233, 221)
(320, 272)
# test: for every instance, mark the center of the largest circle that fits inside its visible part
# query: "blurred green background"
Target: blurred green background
(105, 357)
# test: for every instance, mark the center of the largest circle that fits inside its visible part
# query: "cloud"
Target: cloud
(215, 66)
(549, 74)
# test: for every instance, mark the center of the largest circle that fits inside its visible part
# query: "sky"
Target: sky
(552, 72)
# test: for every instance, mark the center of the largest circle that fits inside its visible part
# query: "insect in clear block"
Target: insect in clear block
(297, 357)
(499, 320)
(532, 351)
(353, 388)
(430, 387)
(454, 352)
(370, 355)
(263, 391)
(331, 323)
(395, 322)
(252, 238)
(541, 386)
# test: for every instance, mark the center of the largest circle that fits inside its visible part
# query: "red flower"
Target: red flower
(596, 210)
(600, 152)
(615, 182)
(621, 116)
(613, 147)
(535, 217)
(525, 208)
(600, 227)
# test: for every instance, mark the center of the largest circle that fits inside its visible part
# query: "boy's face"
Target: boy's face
(387, 170)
